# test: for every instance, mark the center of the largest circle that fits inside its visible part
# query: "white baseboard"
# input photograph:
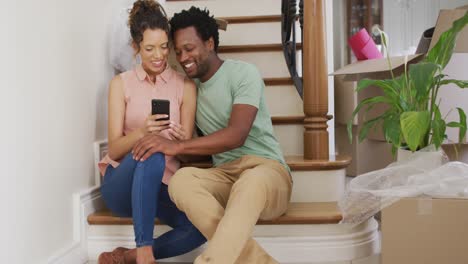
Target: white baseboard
(73, 254)
(84, 203)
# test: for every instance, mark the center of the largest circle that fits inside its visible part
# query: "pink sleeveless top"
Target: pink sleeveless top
(139, 91)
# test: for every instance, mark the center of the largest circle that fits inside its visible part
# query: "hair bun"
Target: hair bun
(146, 14)
(143, 7)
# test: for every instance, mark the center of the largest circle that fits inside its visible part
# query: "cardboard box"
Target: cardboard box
(368, 155)
(425, 231)
(456, 152)
(379, 69)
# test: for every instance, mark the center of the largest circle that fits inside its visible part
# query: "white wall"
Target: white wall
(406, 20)
(54, 79)
(340, 43)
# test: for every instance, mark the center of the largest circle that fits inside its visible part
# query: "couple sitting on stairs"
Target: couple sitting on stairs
(250, 179)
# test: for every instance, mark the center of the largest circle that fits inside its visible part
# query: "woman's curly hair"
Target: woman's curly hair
(204, 24)
(146, 14)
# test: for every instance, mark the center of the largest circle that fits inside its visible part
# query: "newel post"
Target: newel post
(315, 81)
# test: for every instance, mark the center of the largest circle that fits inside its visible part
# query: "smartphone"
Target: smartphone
(160, 107)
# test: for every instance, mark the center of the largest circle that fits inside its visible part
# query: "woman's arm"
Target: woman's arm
(188, 108)
(187, 120)
(184, 130)
(119, 145)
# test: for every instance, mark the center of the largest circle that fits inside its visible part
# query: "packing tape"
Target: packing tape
(424, 206)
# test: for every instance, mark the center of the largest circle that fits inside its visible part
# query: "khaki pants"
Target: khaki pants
(225, 203)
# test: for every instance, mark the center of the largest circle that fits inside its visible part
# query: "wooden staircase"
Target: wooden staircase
(298, 212)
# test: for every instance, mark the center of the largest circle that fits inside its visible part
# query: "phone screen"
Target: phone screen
(161, 107)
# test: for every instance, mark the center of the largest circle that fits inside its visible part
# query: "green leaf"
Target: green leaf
(370, 102)
(462, 132)
(385, 85)
(422, 77)
(459, 83)
(414, 126)
(394, 150)
(438, 128)
(392, 129)
(443, 49)
(454, 124)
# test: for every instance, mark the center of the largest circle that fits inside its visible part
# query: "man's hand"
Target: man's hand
(151, 144)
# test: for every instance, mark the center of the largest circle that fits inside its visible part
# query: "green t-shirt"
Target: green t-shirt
(237, 82)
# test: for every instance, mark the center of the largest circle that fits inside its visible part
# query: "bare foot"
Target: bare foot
(144, 255)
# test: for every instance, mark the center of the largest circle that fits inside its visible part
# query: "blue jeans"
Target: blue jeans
(134, 189)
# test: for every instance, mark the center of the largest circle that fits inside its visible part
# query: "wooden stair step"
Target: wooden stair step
(287, 120)
(253, 48)
(295, 163)
(252, 19)
(297, 214)
(278, 81)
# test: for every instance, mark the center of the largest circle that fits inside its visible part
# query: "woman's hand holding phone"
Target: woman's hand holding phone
(153, 124)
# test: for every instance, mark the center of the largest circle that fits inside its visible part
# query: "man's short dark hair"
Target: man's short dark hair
(204, 24)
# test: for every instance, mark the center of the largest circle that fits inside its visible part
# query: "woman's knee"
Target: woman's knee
(155, 158)
(154, 166)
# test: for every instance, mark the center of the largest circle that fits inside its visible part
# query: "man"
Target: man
(250, 179)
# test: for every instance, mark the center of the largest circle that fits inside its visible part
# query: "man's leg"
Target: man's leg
(262, 191)
(202, 194)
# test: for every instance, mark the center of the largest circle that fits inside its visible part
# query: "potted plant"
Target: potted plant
(413, 119)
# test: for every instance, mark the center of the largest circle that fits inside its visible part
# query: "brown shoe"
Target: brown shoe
(114, 257)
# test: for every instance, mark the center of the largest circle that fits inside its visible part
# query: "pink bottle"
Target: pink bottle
(363, 46)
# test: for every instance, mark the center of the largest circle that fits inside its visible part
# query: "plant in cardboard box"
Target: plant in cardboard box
(413, 119)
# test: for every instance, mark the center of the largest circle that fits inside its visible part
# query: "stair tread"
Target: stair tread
(297, 213)
(290, 119)
(296, 163)
(278, 81)
(252, 19)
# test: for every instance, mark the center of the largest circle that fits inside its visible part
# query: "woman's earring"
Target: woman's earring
(138, 59)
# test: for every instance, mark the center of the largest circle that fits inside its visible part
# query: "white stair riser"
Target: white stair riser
(254, 33)
(318, 186)
(283, 100)
(286, 243)
(291, 139)
(271, 64)
(251, 33)
(228, 8)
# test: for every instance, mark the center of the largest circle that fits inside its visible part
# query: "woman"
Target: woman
(134, 188)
